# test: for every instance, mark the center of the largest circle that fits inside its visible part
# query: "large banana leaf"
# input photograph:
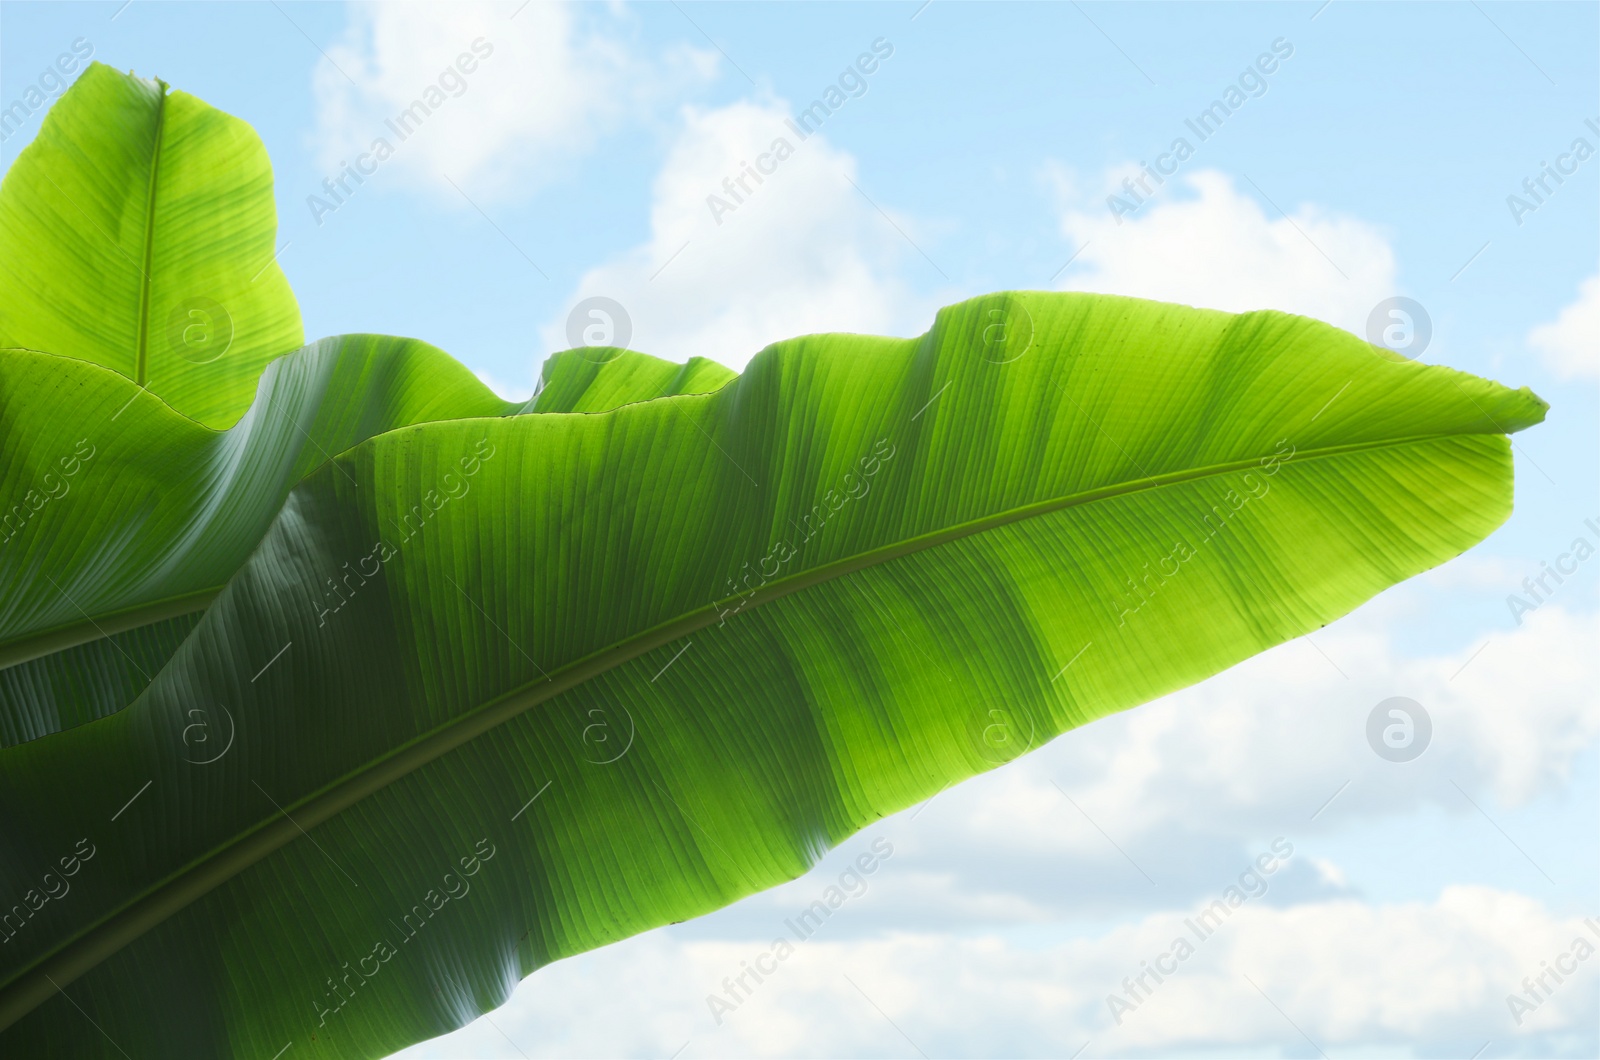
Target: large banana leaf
(136, 231)
(127, 517)
(600, 673)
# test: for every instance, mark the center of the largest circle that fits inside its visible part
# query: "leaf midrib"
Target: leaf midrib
(32, 984)
(142, 357)
(98, 627)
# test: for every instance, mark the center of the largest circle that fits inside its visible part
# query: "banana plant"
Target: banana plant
(494, 690)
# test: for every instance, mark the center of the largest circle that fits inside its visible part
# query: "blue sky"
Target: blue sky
(1376, 161)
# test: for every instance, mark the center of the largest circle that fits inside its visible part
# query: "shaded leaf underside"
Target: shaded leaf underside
(127, 517)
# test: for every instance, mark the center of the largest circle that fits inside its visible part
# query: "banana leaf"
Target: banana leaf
(493, 692)
(136, 231)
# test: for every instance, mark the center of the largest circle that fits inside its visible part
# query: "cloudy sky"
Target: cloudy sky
(1378, 159)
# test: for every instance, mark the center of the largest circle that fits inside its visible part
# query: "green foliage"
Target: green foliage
(125, 513)
(136, 231)
(430, 692)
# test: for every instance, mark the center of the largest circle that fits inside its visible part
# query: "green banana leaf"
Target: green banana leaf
(136, 231)
(127, 517)
(580, 676)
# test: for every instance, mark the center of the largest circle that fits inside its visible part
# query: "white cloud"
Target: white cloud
(553, 79)
(799, 252)
(1217, 247)
(1570, 344)
(1287, 729)
(1429, 976)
